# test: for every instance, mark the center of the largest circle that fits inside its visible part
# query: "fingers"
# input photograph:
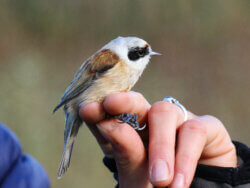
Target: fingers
(116, 103)
(192, 138)
(163, 119)
(201, 140)
(129, 152)
(219, 149)
(126, 145)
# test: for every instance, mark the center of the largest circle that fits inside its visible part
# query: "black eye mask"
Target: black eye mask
(137, 53)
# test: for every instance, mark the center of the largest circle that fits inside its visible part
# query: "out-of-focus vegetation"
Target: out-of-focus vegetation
(205, 64)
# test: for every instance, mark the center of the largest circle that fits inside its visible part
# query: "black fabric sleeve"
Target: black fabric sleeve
(213, 176)
(232, 177)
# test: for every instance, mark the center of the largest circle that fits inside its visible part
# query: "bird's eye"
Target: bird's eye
(137, 53)
(141, 52)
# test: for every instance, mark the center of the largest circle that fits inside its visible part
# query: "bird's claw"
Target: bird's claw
(129, 119)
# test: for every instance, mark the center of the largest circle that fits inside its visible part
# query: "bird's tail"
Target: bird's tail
(72, 125)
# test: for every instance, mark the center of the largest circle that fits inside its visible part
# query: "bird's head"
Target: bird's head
(132, 50)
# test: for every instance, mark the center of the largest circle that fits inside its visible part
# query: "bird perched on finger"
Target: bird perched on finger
(115, 67)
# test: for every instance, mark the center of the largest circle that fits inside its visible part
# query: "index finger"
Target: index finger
(114, 104)
(127, 102)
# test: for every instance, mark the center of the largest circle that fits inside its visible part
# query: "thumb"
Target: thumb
(129, 152)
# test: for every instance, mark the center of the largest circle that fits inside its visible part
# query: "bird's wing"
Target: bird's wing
(89, 71)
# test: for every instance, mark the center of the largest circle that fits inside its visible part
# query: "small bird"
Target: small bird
(115, 67)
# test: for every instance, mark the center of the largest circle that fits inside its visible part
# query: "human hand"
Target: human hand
(174, 147)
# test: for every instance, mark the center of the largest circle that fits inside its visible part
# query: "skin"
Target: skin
(174, 147)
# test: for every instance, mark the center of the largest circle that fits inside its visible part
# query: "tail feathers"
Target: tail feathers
(72, 124)
(65, 160)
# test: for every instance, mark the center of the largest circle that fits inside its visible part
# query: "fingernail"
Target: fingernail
(178, 181)
(159, 171)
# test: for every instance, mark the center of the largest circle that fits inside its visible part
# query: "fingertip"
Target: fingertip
(92, 112)
(160, 175)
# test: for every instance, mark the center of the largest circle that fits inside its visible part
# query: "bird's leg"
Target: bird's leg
(129, 119)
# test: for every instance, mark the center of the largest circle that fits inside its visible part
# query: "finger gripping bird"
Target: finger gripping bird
(115, 67)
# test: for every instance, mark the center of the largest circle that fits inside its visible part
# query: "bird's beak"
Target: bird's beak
(154, 53)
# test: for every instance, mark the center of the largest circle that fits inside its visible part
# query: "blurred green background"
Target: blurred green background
(205, 64)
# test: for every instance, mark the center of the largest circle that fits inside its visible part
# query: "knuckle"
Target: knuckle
(212, 119)
(163, 107)
(195, 125)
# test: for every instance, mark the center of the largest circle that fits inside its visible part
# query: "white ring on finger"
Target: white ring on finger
(175, 101)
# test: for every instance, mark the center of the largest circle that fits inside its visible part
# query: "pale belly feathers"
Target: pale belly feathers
(119, 78)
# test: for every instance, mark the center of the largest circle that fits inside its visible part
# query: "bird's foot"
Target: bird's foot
(129, 119)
